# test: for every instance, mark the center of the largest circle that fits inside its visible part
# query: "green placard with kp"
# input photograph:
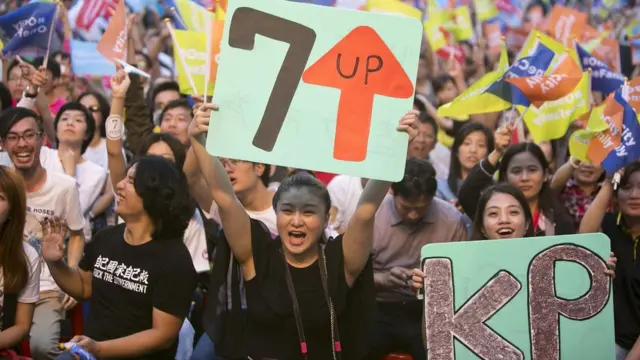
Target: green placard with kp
(543, 298)
(315, 87)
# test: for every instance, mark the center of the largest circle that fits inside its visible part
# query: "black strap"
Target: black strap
(335, 335)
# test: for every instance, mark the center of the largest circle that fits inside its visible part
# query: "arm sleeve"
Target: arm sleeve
(138, 116)
(175, 286)
(460, 233)
(473, 186)
(91, 249)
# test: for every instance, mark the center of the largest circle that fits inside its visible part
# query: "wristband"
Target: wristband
(114, 127)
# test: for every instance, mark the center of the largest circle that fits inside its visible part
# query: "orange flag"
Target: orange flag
(217, 27)
(564, 23)
(605, 142)
(608, 51)
(562, 81)
(113, 44)
(634, 93)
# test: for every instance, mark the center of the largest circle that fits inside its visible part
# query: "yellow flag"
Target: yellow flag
(194, 16)
(193, 48)
(220, 13)
(474, 100)
(579, 144)
(553, 118)
(486, 9)
(535, 37)
(463, 29)
(435, 37)
(393, 7)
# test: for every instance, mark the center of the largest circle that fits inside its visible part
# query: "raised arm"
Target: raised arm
(233, 217)
(564, 173)
(115, 127)
(358, 238)
(592, 219)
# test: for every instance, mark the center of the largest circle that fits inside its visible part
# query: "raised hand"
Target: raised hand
(503, 138)
(53, 233)
(120, 83)
(409, 124)
(200, 123)
(39, 78)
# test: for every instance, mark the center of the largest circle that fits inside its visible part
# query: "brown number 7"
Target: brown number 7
(246, 23)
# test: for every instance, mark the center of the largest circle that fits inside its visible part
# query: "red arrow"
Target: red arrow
(361, 66)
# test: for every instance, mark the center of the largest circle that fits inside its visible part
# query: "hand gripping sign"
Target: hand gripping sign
(520, 299)
(315, 87)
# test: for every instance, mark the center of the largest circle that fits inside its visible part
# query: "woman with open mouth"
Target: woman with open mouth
(526, 168)
(306, 297)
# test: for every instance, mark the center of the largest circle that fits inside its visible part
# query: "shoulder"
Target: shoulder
(61, 181)
(31, 253)
(92, 169)
(107, 233)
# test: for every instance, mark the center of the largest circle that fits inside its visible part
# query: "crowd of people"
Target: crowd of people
(109, 201)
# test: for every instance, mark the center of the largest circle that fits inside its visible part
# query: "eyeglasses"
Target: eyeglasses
(14, 138)
(230, 163)
(94, 108)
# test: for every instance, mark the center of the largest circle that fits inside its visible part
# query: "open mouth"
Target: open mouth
(23, 156)
(505, 233)
(296, 238)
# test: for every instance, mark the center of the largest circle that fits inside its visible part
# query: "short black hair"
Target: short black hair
(6, 101)
(63, 54)
(91, 122)
(419, 180)
(165, 196)
(105, 108)
(424, 118)
(52, 65)
(146, 58)
(178, 149)
(158, 88)
(179, 103)
(11, 116)
(440, 81)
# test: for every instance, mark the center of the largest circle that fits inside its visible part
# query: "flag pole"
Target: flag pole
(45, 61)
(175, 13)
(207, 74)
(181, 56)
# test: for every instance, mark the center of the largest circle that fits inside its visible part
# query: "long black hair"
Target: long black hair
(455, 168)
(477, 229)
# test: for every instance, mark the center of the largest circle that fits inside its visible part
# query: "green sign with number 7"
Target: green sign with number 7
(315, 87)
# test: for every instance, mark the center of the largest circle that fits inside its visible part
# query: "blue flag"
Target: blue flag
(25, 31)
(534, 65)
(629, 149)
(603, 79)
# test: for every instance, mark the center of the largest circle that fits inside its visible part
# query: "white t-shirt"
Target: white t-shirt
(57, 197)
(98, 155)
(440, 158)
(31, 292)
(344, 192)
(90, 179)
(195, 239)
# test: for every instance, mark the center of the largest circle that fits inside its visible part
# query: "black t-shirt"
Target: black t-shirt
(130, 281)
(626, 285)
(270, 329)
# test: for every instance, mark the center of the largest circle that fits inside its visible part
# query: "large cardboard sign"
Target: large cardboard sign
(315, 87)
(543, 298)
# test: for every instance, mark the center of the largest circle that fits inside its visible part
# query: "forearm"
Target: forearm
(42, 105)
(371, 198)
(135, 345)
(75, 248)
(13, 336)
(68, 278)
(114, 146)
(214, 174)
(561, 176)
(102, 203)
(592, 219)
(634, 354)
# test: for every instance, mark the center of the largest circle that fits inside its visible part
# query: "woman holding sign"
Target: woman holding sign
(307, 298)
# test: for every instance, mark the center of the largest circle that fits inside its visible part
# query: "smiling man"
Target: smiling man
(49, 195)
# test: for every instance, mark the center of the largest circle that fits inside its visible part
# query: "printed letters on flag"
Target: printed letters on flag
(603, 142)
(113, 44)
(628, 150)
(25, 31)
(90, 11)
(603, 79)
(535, 65)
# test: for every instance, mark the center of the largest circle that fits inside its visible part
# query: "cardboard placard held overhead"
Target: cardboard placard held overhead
(543, 298)
(315, 87)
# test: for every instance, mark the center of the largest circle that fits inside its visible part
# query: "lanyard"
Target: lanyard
(335, 335)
